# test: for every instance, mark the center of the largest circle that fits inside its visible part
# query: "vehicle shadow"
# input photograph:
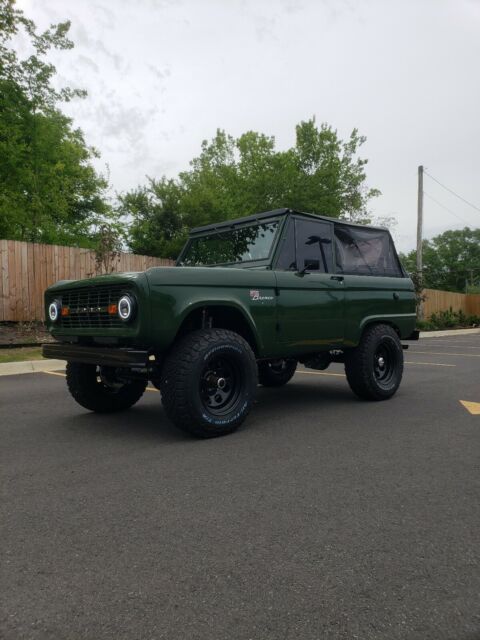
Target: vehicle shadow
(148, 422)
(292, 397)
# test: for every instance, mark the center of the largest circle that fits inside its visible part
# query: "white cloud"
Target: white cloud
(162, 75)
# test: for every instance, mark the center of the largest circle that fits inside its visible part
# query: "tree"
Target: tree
(237, 177)
(108, 246)
(158, 228)
(451, 261)
(49, 190)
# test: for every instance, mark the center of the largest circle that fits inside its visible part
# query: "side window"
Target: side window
(286, 259)
(365, 252)
(314, 245)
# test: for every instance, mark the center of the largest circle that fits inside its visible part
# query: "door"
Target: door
(310, 299)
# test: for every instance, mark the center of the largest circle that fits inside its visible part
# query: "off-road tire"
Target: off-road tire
(366, 379)
(86, 388)
(273, 374)
(188, 386)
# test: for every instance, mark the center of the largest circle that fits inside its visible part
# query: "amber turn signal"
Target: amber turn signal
(112, 309)
(65, 311)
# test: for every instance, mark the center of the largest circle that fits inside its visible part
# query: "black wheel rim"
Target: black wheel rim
(385, 364)
(221, 384)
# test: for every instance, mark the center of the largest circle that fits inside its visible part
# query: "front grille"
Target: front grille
(88, 307)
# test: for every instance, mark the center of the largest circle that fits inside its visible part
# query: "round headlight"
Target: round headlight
(125, 308)
(54, 310)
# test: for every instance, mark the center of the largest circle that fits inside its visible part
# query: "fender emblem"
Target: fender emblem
(255, 296)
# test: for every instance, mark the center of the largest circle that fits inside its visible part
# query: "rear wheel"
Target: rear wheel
(99, 389)
(374, 369)
(209, 382)
(276, 373)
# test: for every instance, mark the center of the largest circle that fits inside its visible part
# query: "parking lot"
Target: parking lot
(322, 517)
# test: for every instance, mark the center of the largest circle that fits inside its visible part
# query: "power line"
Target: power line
(444, 207)
(454, 193)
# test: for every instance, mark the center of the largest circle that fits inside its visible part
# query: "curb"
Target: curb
(30, 366)
(448, 332)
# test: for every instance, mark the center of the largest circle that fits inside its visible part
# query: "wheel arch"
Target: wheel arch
(376, 321)
(220, 315)
(400, 323)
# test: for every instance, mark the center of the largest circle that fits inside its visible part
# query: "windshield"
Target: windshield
(244, 244)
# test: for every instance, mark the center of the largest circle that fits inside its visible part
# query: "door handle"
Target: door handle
(337, 278)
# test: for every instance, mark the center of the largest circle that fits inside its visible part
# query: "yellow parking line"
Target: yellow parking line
(57, 373)
(471, 407)
(445, 353)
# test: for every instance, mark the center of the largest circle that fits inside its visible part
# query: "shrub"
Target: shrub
(448, 319)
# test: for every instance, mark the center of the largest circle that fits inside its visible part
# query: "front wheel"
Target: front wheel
(374, 369)
(276, 373)
(209, 382)
(98, 389)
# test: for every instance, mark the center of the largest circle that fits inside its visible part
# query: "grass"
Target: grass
(21, 354)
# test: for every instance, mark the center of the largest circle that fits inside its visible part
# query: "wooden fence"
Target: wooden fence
(27, 269)
(443, 300)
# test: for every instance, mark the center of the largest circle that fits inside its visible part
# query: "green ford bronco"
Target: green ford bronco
(246, 302)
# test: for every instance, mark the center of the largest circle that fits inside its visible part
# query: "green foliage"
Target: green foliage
(238, 177)
(472, 288)
(448, 320)
(109, 237)
(49, 190)
(158, 228)
(451, 260)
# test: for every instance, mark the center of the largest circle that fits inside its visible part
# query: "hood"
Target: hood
(205, 276)
(103, 280)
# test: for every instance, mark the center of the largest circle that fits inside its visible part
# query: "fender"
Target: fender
(402, 322)
(191, 307)
(170, 306)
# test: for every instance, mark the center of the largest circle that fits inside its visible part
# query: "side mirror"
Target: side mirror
(309, 265)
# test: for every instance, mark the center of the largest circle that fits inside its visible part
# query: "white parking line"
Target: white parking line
(322, 373)
(342, 375)
(430, 364)
(445, 353)
(451, 345)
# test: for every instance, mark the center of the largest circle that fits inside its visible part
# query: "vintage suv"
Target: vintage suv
(247, 300)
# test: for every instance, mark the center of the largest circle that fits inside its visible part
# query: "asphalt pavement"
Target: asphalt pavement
(323, 517)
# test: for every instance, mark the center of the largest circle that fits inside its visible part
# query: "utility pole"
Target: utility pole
(419, 240)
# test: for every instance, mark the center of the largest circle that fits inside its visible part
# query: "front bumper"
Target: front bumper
(105, 357)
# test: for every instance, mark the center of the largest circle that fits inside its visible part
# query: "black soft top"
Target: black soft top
(275, 213)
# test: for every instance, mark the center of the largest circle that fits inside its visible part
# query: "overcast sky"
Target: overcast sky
(162, 75)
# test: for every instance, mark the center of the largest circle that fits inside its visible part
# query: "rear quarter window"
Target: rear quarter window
(365, 252)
